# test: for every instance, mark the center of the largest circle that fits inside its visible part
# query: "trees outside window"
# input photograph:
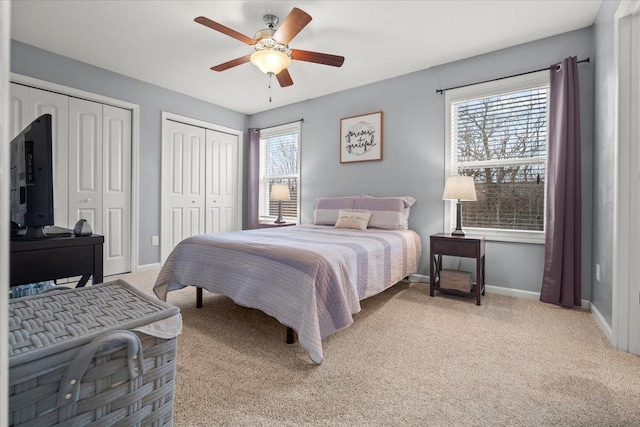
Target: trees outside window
(497, 133)
(279, 164)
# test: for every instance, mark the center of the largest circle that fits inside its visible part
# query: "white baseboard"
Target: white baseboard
(419, 278)
(518, 293)
(149, 267)
(499, 290)
(604, 326)
(510, 292)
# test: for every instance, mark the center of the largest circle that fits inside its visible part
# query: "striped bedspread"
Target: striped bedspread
(309, 277)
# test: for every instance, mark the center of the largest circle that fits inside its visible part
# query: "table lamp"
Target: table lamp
(459, 188)
(280, 193)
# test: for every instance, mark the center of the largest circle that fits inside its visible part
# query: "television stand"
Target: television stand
(53, 258)
(39, 233)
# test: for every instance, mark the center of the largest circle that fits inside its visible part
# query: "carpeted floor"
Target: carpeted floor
(408, 359)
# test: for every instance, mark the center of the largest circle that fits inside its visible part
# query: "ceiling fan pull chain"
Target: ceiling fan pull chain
(270, 79)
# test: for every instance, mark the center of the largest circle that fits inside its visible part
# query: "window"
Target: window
(279, 164)
(496, 132)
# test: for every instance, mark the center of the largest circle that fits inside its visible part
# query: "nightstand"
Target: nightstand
(459, 246)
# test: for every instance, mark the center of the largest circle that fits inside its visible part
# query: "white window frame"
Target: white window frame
(484, 90)
(273, 132)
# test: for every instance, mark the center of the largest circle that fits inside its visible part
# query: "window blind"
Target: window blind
(279, 165)
(501, 141)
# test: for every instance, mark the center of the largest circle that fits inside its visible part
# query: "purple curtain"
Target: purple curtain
(253, 184)
(562, 281)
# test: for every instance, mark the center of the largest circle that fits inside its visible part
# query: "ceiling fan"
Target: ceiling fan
(272, 53)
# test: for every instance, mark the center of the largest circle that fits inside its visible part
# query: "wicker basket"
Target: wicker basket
(454, 279)
(78, 358)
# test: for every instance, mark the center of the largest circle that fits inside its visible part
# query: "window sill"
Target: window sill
(271, 224)
(512, 236)
(272, 219)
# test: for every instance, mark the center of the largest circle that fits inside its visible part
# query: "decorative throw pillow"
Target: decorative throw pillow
(357, 220)
(325, 210)
(389, 213)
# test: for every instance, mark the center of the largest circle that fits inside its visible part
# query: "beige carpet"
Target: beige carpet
(408, 359)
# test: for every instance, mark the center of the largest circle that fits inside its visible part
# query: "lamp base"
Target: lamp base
(279, 220)
(458, 231)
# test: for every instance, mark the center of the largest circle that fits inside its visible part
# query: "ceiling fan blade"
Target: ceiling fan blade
(317, 57)
(225, 30)
(284, 78)
(295, 21)
(232, 63)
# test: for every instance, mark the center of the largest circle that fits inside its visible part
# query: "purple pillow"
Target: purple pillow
(326, 209)
(389, 213)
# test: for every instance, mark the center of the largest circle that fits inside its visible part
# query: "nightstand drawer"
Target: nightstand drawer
(451, 247)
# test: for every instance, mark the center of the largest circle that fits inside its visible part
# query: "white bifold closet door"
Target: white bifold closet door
(221, 171)
(85, 163)
(200, 185)
(183, 174)
(100, 176)
(91, 165)
(27, 104)
(116, 188)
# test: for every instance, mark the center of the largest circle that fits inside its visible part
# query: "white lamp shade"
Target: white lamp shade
(280, 192)
(270, 61)
(459, 188)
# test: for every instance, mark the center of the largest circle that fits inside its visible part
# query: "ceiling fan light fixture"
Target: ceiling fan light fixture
(271, 46)
(270, 61)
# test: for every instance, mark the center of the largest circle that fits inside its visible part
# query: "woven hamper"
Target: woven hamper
(103, 355)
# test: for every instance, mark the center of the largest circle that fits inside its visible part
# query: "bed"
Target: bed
(311, 278)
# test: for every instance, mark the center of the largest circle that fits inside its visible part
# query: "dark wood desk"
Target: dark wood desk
(466, 247)
(34, 261)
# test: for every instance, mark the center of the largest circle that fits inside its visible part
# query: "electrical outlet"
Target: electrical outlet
(598, 272)
(155, 240)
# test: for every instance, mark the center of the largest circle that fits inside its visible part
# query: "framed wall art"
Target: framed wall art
(361, 138)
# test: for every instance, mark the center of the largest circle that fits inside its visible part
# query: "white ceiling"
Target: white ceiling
(158, 41)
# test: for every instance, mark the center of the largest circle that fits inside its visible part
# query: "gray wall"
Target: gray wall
(414, 147)
(413, 139)
(603, 166)
(44, 65)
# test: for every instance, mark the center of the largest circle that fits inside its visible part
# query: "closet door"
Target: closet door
(85, 163)
(43, 102)
(18, 109)
(116, 189)
(91, 162)
(183, 175)
(221, 182)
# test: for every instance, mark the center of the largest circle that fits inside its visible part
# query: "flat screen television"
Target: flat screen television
(31, 172)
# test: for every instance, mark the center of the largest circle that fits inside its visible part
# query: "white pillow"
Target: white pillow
(357, 220)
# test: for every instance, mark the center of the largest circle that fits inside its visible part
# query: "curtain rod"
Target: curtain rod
(281, 124)
(441, 91)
